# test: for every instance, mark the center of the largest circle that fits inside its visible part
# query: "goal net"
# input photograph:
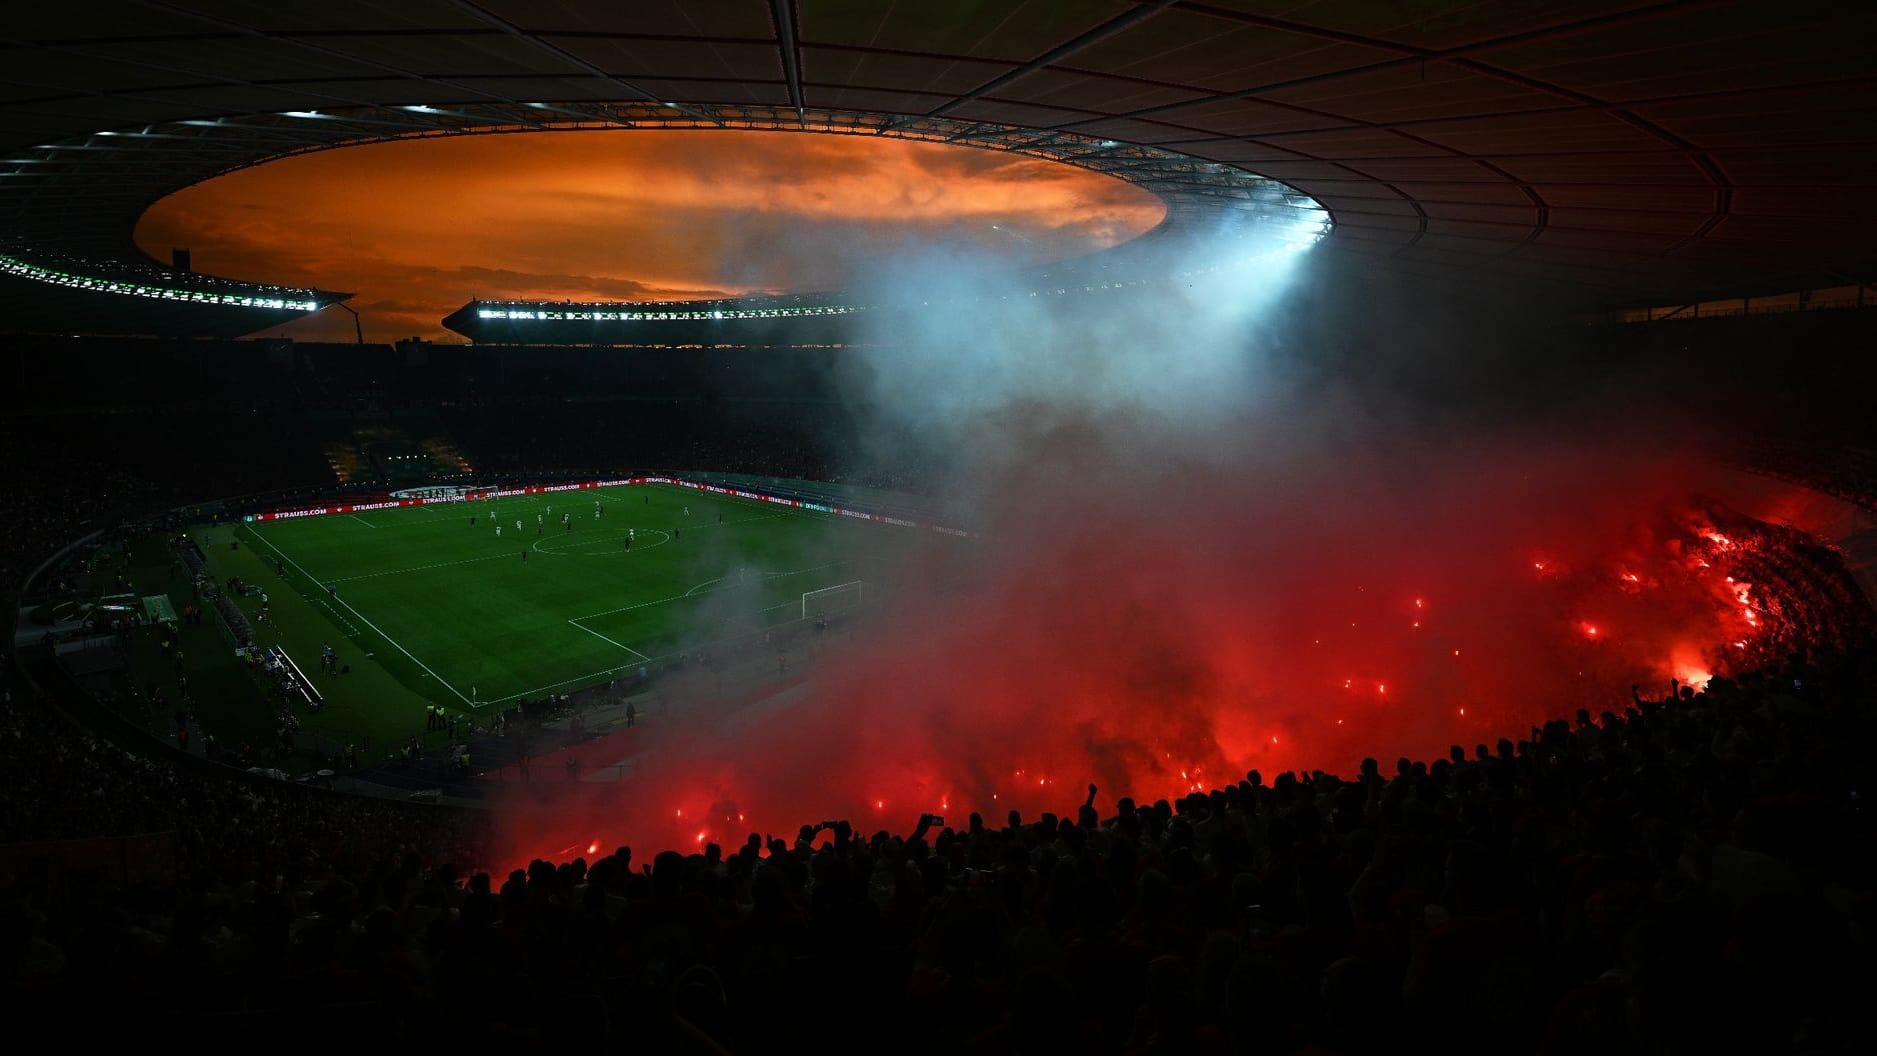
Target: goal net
(832, 601)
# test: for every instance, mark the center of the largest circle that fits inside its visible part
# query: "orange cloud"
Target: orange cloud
(418, 227)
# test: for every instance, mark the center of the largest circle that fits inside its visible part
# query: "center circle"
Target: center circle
(570, 544)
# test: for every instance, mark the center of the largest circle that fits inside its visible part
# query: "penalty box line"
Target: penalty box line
(361, 617)
(609, 641)
(589, 676)
(570, 681)
(694, 592)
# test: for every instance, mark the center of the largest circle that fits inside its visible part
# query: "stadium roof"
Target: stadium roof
(1634, 151)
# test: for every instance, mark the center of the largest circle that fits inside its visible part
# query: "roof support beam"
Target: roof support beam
(788, 42)
(1057, 54)
(576, 61)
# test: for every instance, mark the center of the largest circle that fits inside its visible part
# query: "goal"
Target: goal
(832, 601)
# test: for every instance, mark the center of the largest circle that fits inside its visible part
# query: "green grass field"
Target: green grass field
(429, 608)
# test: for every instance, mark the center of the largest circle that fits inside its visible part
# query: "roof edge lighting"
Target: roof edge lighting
(279, 300)
(625, 312)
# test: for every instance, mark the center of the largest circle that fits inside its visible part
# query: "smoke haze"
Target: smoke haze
(1203, 548)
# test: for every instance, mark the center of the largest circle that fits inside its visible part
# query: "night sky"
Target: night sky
(416, 228)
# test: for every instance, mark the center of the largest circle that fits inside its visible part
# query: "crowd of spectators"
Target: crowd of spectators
(58, 505)
(70, 476)
(1803, 592)
(1844, 472)
(66, 782)
(1679, 874)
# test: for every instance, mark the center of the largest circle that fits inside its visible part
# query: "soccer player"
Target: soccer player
(498, 531)
(537, 520)
(524, 557)
(472, 520)
(518, 526)
(687, 511)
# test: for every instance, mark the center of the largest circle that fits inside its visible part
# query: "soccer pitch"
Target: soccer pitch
(460, 617)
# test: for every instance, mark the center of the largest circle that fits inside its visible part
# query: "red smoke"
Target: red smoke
(1162, 627)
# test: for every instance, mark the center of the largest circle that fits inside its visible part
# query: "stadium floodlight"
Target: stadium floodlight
(837, 600)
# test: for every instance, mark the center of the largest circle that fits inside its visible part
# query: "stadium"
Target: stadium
(1138, 527)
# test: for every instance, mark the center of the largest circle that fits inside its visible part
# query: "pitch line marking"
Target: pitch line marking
(608, 552)
(481, 507)
(536, 547)
(569, 681)
(694, 592)
(729, 500)
(363, 521)
(766, 576)
(609, 641)
(418, 568)
(351, 628)
(629, 608)
(363, 620)
(610, 670)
